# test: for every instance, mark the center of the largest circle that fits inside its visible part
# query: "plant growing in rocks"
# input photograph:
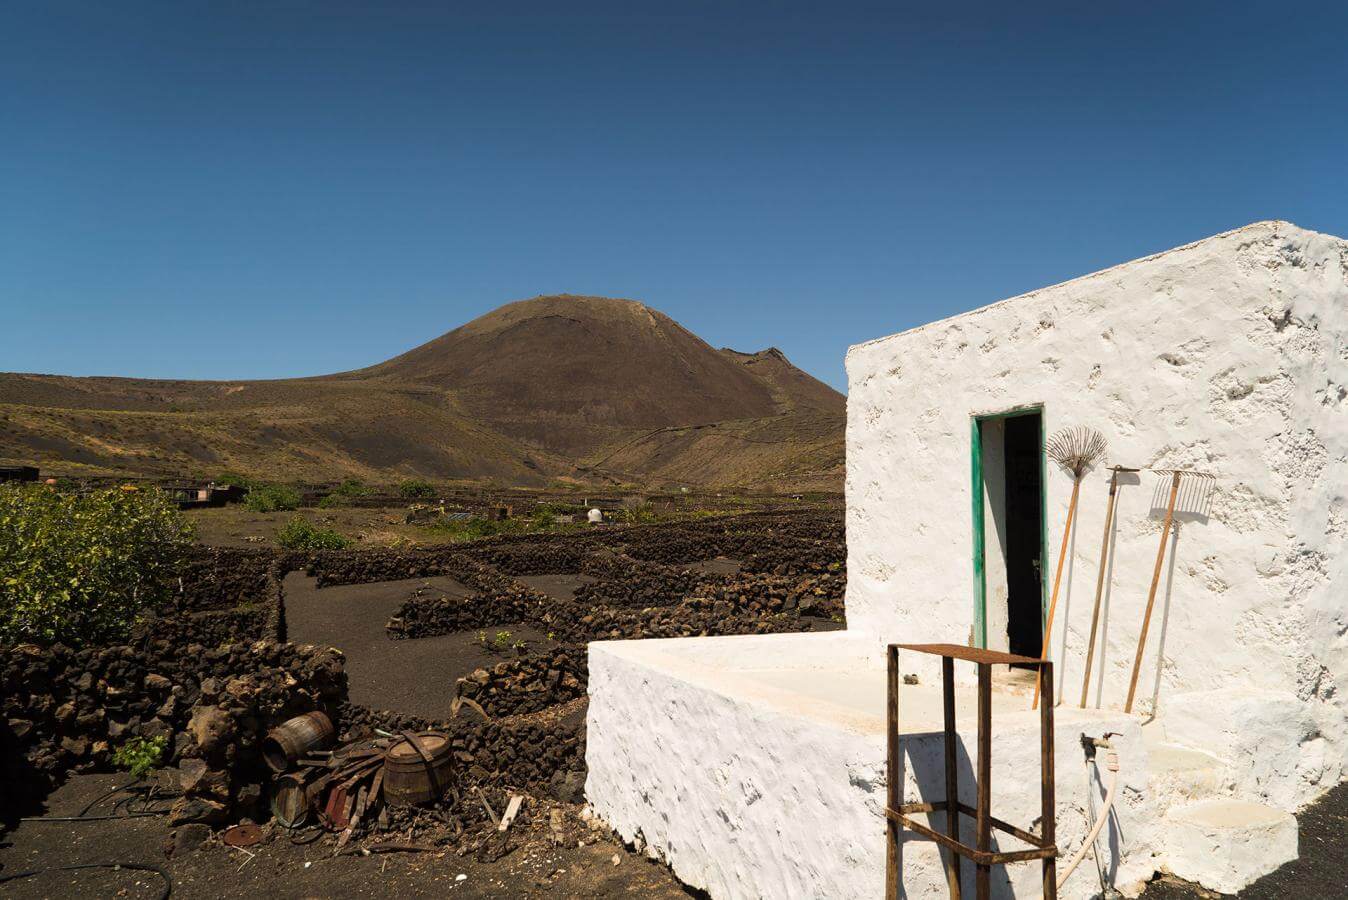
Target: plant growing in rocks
(84, 568)
(140, 755)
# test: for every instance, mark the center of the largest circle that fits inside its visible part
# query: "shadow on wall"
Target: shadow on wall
(924, 754)
(1193, 505)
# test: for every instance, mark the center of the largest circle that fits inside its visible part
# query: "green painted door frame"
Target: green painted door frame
(976, 483)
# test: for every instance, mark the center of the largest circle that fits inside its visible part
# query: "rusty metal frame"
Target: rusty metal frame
(898, 815)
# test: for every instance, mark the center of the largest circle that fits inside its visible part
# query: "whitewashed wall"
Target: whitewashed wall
(1229, 355)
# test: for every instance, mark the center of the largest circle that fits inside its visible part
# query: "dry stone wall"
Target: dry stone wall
(67, 710)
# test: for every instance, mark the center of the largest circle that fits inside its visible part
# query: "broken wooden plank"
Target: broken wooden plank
(491, 813)
(512, 810)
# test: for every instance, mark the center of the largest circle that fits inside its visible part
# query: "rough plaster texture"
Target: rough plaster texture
(755, 765)
(1230, 356)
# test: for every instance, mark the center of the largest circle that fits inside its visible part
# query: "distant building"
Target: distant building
(18, 473)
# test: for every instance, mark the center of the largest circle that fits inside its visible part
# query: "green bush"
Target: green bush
(301, 534)
(344, 493)
(79, 568)
(140, 755)
(639, 514)
(474, 528)
(412, 489)
(271, 498)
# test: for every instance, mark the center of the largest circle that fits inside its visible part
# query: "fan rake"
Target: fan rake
(1075, 449)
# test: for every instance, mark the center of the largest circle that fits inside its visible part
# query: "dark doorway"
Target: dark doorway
(1024, 537)
(1008, 531)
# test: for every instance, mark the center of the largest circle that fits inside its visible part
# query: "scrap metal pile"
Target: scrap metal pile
(356, 784)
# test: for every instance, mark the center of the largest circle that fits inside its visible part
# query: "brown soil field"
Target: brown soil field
(235, 526)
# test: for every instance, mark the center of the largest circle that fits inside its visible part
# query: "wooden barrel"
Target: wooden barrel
(288, 742)
(409, 778)
(291, 801)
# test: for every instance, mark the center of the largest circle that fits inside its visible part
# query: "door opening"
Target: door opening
(1009, 536)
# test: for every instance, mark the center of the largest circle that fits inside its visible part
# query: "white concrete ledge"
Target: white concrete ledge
(755, 766)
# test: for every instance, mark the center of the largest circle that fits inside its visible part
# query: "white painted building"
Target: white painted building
(755, 765)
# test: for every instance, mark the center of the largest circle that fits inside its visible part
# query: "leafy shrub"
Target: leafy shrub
(639, 513)
(412, 489)
(140, 755)
(476, 527)
(344, 493)
(271, 498)
(301, 534)
(80, 568)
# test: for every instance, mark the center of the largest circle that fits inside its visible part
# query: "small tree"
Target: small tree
(414, 489)
(77, 568)
(271, 498)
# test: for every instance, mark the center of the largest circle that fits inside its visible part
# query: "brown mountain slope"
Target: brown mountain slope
(575, 373)
(554, 386)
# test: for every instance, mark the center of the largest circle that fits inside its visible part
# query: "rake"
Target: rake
(1100, 576)
(1076, 450)
(1176, 476)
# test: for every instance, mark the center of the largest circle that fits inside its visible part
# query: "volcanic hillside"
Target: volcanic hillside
(582, 387)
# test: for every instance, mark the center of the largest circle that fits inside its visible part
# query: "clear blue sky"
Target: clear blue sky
(230, 190)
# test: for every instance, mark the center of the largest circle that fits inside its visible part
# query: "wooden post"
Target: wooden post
(893, 778)
(1151, 595)
(1048, 806)
(952, 775)
(1100, 583)
(983, 809)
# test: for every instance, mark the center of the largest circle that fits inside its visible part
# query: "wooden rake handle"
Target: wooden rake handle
(1100, 584)
(1151, 595)
(1057, 580)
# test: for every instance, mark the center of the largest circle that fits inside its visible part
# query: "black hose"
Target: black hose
(168, 882)
(101, 797)
(125, 815)
(121, 809)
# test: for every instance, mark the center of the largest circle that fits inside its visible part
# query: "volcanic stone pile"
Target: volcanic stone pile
(498, 600)
(67, 710)
(624, 581)
(530, 683)
(543, 753)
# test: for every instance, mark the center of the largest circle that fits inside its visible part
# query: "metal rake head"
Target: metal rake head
(1076, 449)
(1187, 473)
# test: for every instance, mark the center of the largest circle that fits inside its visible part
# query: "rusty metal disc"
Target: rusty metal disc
(242, 835)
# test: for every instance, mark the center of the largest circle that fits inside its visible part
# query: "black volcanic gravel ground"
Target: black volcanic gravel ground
(558, 587)
(415, 677)
(285, 871)
(720, 565)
